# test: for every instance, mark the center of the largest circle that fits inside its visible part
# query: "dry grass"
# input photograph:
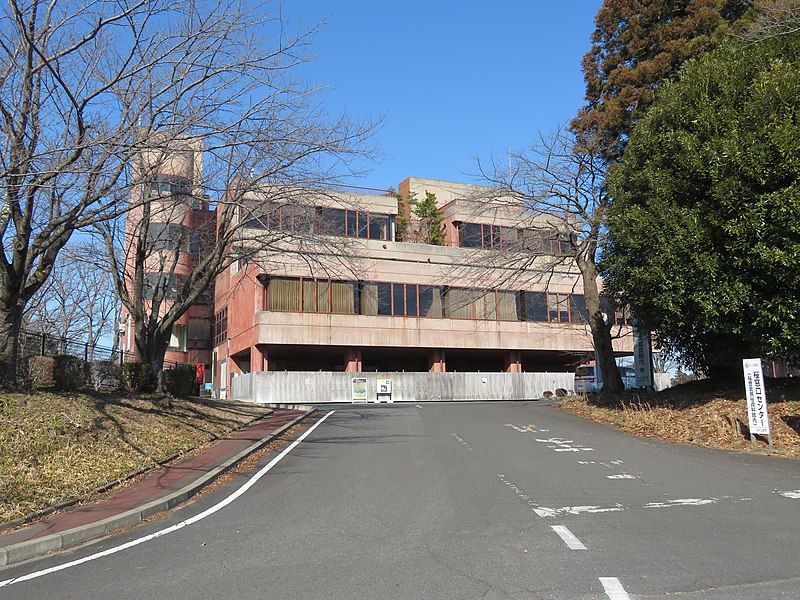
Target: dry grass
(701, 413)
(57, 448)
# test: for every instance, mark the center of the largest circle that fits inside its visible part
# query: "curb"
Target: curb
(22, 551)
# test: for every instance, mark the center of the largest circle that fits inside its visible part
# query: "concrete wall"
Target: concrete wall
(295, 387)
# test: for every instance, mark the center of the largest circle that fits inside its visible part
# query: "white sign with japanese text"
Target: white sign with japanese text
(756, 396)
(384, 387)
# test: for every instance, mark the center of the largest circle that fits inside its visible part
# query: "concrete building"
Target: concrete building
(168, 223)
(325, 285)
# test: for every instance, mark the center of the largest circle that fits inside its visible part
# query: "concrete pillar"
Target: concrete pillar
(436, 362)
(513, 361)
(258, 358)
(352, 357)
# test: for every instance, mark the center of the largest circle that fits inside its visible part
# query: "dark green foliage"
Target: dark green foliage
(704, 228)
(430, 215)
(180, 381)
(401, 222)
(137, 377)
(63, 373)
(71, 373)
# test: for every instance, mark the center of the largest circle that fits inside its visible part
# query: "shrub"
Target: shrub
(180, 381)
(70, 373)
(137, 377)
(40, 371)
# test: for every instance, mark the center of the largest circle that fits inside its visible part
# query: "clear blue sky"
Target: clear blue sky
(452, 80)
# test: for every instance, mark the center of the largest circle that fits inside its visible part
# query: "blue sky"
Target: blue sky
(452, 80)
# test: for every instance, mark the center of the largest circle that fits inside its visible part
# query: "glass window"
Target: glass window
(332, 221)
(577, 309)
(283, 293)
(470, 235)
(160, 285)
(368, 304)
(167, 236)
(384, 298)
(343, 297)
(378, 227)
(177, 338)
(508, 305)
(398, 296)
(535, 306)
(411, 300)
(558, 307)
(323, 297)
(430, 301)
(363, 230)
(458, 304)
(309, 295)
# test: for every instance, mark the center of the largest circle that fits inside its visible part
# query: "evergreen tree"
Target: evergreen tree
(637, 45)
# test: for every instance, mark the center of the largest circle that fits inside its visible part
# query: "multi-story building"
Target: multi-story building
(171, 214)
(337, 291)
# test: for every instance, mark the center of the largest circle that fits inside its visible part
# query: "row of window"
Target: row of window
(326, 221)
(413, 300)
(497, 237)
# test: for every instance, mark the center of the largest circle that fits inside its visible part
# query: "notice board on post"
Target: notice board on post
(756, 396)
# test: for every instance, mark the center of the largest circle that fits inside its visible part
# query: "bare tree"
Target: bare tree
(562, 183)
(773, 18)
(78, 303)
(86, 87)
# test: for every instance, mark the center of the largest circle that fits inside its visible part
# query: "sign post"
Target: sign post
(384, 390)
(359, 392)
(643, 358)
(756, 399)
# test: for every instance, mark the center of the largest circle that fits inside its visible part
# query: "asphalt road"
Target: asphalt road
(446, 501)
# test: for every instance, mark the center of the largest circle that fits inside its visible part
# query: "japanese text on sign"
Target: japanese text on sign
(756, 396)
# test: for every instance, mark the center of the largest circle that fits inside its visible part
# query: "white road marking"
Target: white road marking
(794, 495)
(682, 502)
(190, 521)
(461, 441)
(418, 406)
(561, 445)
(544, 511)
(621, 476)
(569, 538)
(614, 589)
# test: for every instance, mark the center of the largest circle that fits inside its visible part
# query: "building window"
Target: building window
(167, 185)
(160, 285)
(558, 308)
(221, 327)
(484, 236)
(337, 222)
(177, 338)
(167, 236)
(301, 294)
(535, 306)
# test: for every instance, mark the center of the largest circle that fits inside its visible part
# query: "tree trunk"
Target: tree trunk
(10, 327)
(601, 331)
(150, 348)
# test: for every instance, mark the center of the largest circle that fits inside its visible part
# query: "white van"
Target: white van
(586, 379)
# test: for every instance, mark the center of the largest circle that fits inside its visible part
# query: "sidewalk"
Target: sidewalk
(162, 490)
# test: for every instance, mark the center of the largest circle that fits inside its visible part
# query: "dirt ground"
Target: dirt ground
(701, 413)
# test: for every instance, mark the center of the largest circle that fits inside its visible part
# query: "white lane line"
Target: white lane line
(569, 538)
(544, 511)
(794, 495)
(418, 406)
(682, 502)
(198, 517)
(614, 589)
(621, 476)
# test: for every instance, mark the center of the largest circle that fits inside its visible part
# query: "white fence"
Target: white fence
(298, 387)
